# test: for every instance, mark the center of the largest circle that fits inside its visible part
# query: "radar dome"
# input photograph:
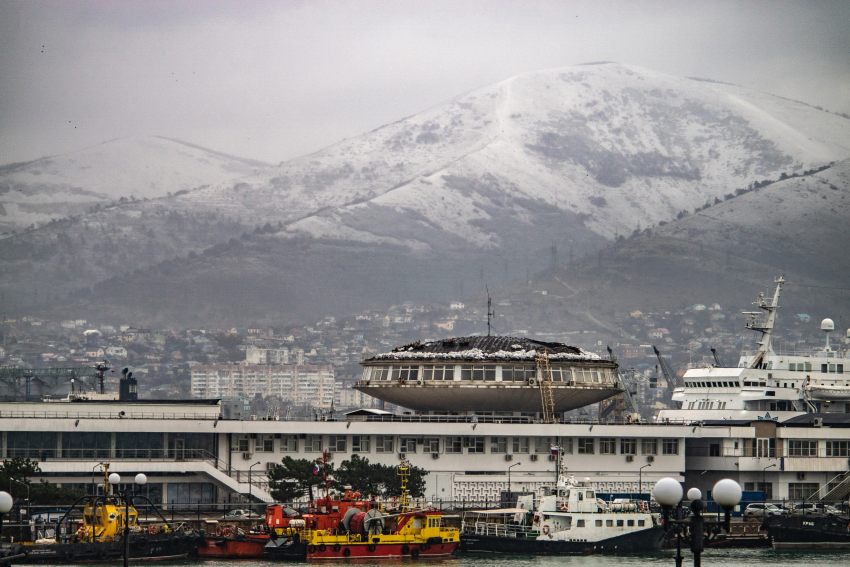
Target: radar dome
(827, 325)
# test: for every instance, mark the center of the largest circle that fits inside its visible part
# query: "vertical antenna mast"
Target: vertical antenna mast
(490, 313)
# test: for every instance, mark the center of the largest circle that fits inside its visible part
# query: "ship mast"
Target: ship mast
(766, 330)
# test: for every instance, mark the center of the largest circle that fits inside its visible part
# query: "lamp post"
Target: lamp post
(11, 480)
(93, 485)
(250, 478)
(764, 481)
(115, 479)
(5, 505)
(668, 493)
(640, 479)
(510, 489)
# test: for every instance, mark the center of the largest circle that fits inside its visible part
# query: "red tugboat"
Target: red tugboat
(233, 543)
(353, 527)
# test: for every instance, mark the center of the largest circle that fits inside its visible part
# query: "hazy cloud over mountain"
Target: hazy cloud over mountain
(274, 80)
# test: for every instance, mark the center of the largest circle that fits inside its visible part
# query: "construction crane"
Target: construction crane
(628, 380)
(673, 381)
(718, 362)
(48, 380)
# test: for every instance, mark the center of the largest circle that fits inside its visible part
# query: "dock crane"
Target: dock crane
(629, 382)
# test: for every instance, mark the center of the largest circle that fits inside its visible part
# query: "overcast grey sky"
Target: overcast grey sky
(275, 80)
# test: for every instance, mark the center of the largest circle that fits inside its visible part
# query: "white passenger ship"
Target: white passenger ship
(766, 385)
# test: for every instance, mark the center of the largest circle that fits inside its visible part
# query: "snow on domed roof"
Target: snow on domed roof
(486, 348)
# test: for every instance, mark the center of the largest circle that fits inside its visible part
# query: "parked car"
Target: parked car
(764, 509)
(240, 515)
(814, 509)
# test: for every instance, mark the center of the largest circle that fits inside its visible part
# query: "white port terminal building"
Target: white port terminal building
(192, 454)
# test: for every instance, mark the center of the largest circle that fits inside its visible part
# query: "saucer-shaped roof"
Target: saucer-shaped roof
(491, 348)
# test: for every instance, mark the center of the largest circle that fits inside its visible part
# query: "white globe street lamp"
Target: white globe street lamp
(727, 493)
(696, 530)
(6, 503)
(667, 491)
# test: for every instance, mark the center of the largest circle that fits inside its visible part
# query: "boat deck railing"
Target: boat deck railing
(497, 529)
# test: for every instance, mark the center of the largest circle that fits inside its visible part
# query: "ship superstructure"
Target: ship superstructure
(766, 384)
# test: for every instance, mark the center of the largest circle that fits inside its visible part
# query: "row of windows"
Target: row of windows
(610, 523)
(809, 448)
(474, 444)
(824, 368)
(706, 405)
(484, 373)
(714, 384)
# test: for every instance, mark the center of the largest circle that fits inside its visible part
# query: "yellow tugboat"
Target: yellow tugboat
(100, 535)
(350, 528)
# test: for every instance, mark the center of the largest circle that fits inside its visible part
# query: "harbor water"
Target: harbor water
(719, 558)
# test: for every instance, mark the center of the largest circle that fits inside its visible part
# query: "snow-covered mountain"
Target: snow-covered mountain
(480, 188)
(57, 187)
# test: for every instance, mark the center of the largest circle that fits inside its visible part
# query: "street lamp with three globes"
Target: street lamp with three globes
(698, 531)
(114, 480)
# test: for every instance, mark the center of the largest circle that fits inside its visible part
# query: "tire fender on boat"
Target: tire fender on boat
(405, 550)
(69, 556)
(414, 553)
(346, 552)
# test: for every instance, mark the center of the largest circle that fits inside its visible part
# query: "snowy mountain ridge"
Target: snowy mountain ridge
(618, 145)
(479, 188)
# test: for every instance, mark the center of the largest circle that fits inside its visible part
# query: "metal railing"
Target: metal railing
(769, 453)
(106, 415)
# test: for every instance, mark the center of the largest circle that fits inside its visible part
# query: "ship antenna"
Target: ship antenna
(490, 313)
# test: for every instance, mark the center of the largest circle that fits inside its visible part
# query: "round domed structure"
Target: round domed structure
(488, 374)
